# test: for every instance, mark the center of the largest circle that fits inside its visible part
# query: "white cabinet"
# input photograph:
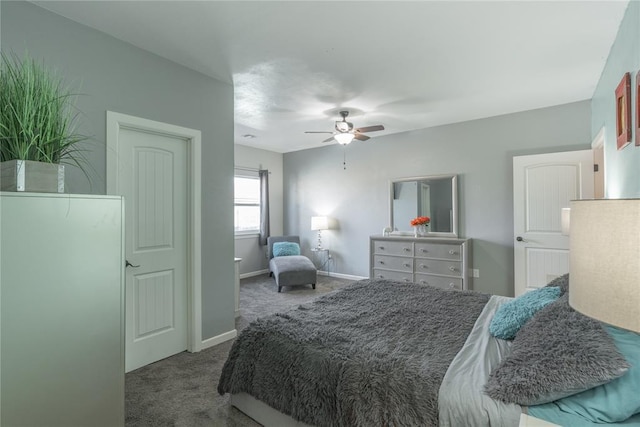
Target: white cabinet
(62, 320)
(441, 262)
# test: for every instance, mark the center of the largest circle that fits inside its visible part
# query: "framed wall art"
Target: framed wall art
(623, 112)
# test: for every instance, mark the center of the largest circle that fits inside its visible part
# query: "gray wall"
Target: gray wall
(117, 76)
(480, 151)
(621, 166)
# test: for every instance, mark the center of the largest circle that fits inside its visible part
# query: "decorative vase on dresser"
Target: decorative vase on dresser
(62, 310)
(435, 261)
(419, 230)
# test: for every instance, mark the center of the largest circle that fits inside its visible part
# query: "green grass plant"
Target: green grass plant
(37, 114)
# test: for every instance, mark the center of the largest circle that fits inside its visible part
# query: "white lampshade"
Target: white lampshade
(604, 261)
(344, 138)
(319, 223)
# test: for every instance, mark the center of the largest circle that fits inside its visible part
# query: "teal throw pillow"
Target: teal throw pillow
(617, 400)
(286, 249)
(512, 316)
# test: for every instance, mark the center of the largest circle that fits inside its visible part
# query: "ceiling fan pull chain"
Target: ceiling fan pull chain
(344, 158)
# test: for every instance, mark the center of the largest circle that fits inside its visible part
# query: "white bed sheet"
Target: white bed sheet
(461, 399)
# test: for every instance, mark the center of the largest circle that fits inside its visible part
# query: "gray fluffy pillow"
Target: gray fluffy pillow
(562, 282)
(559, 352)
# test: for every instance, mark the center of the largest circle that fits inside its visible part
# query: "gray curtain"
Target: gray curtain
(264, 206)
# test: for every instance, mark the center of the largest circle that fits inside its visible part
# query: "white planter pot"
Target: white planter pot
(27, 175)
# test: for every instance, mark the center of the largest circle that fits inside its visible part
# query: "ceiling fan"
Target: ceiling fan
(345, 133)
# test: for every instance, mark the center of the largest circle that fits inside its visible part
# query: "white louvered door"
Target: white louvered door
(154, 184)
(543, 184)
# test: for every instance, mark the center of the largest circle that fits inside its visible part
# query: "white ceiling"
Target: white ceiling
(404, 64)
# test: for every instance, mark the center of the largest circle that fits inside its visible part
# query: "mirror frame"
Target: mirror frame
(454, 207)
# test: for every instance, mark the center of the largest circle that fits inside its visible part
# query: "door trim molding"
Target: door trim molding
(193, 138)
(598, 144)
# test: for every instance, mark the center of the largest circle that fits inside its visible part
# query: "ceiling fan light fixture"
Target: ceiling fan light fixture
(344, 138)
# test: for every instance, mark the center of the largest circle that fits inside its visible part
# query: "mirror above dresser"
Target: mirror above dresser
(434, 196)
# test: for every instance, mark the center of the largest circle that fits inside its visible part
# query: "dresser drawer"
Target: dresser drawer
(392, 275)
(439, 251)
(433, 266)
(436, 261)
(387, 262)
(382, 247)
(439, 282)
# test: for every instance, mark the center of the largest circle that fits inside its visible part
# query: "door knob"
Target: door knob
(128, 264)
(519, 239)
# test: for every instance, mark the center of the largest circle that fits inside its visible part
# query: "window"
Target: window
(246, 204)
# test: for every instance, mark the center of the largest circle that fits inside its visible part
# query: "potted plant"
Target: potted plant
(37, 127)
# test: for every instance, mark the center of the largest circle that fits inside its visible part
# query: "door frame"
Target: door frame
(193, 139)
(598, 144)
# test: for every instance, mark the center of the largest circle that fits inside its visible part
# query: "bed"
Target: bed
(386, 353)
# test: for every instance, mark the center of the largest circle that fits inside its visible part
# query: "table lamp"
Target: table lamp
(604, 260)
(319, 223)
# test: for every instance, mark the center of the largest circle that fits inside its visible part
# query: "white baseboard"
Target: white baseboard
(340, 275)
(254, 273)
(320, 272)
(219, 339)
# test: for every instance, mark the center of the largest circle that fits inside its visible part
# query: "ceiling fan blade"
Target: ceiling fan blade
(361, 137)
(370, 128)
(329, 139)
(316, 131)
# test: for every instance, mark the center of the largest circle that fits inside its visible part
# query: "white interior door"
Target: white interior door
(153, 181)
(543, 184)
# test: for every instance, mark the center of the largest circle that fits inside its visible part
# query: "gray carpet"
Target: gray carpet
(181, 390)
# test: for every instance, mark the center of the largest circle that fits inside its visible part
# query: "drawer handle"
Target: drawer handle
(406, 249)
(380, 276)
(407, 265)
(381, 248)
(423, 266)
(451, 286)
(381, 262)
(406, 280)
(452, 268)
(452, 252)
(423, 250)
(424, 282)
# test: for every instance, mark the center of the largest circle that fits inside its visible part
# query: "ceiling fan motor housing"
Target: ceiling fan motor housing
(344, 130)
(344, 126)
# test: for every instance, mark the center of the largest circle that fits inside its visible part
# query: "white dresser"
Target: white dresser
(441, 262)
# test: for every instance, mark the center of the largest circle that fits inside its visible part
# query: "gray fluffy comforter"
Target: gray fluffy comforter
(372, 354)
